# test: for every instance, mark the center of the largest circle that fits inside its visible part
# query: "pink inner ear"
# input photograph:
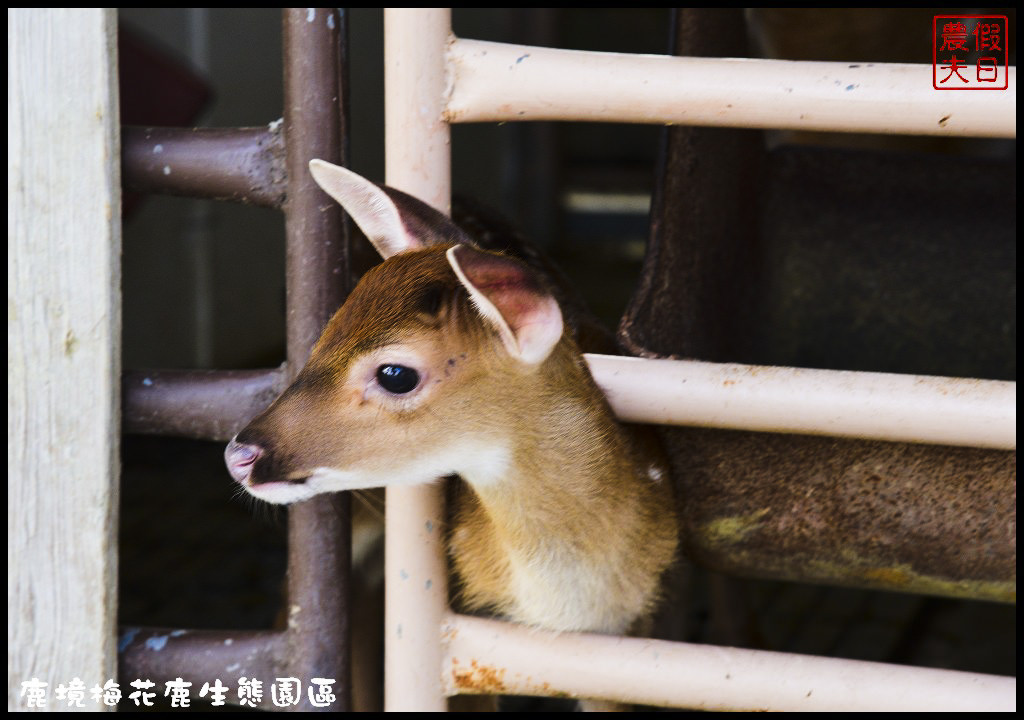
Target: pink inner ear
(510, 297)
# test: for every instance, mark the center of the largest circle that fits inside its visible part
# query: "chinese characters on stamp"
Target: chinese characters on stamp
(969, 52)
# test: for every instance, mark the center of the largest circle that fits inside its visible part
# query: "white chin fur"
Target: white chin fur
(281, 493)
(480, 464)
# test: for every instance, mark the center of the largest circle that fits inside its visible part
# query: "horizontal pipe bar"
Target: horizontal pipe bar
(486, 656)
(905, 517)
(200, 656)
(497, 82)
(879, 406)
(238, 164)
(200, 404)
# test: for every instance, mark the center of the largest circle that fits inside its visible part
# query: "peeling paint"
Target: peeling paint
(293, 616)
(854, 570)
(734, 529)
(127, 638)
(157, 642)
(903, 576)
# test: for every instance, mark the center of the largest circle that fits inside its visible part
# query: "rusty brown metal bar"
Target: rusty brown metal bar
(199, 657)
(257, 166)
(891, 516)
(237, 164)
(317, 273)
(703, 220)
(315, 254)
(199, 404)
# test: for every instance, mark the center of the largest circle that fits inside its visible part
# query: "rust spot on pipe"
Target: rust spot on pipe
(478, 678)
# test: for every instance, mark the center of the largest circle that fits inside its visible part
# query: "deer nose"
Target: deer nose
(240, 459)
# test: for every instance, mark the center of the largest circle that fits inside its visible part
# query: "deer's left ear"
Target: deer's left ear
(511, 299)
(369, 205)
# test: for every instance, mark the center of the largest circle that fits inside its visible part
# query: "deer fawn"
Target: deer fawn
(451, 360)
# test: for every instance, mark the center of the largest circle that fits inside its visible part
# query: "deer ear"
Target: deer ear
(372, 209)
(510, 298)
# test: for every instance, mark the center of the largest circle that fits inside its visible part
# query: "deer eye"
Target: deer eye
(397, 379)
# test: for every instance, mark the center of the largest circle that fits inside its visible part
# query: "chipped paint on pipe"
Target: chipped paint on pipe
(881, 406)
(238, 164)
(498, 82)
(201, 404)
(486, 656)
(200, 656)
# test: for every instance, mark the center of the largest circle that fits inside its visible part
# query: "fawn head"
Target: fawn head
(418, 374)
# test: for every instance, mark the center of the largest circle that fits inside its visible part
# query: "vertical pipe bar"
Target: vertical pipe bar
(837, 403)
(318, 530)
(418, 161)
(63, 347)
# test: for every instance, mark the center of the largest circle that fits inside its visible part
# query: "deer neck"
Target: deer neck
(554, 475)
(556, 446)
(563, 516)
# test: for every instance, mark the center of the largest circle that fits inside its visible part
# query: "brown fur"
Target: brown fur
(578, 486)
(576, 533)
